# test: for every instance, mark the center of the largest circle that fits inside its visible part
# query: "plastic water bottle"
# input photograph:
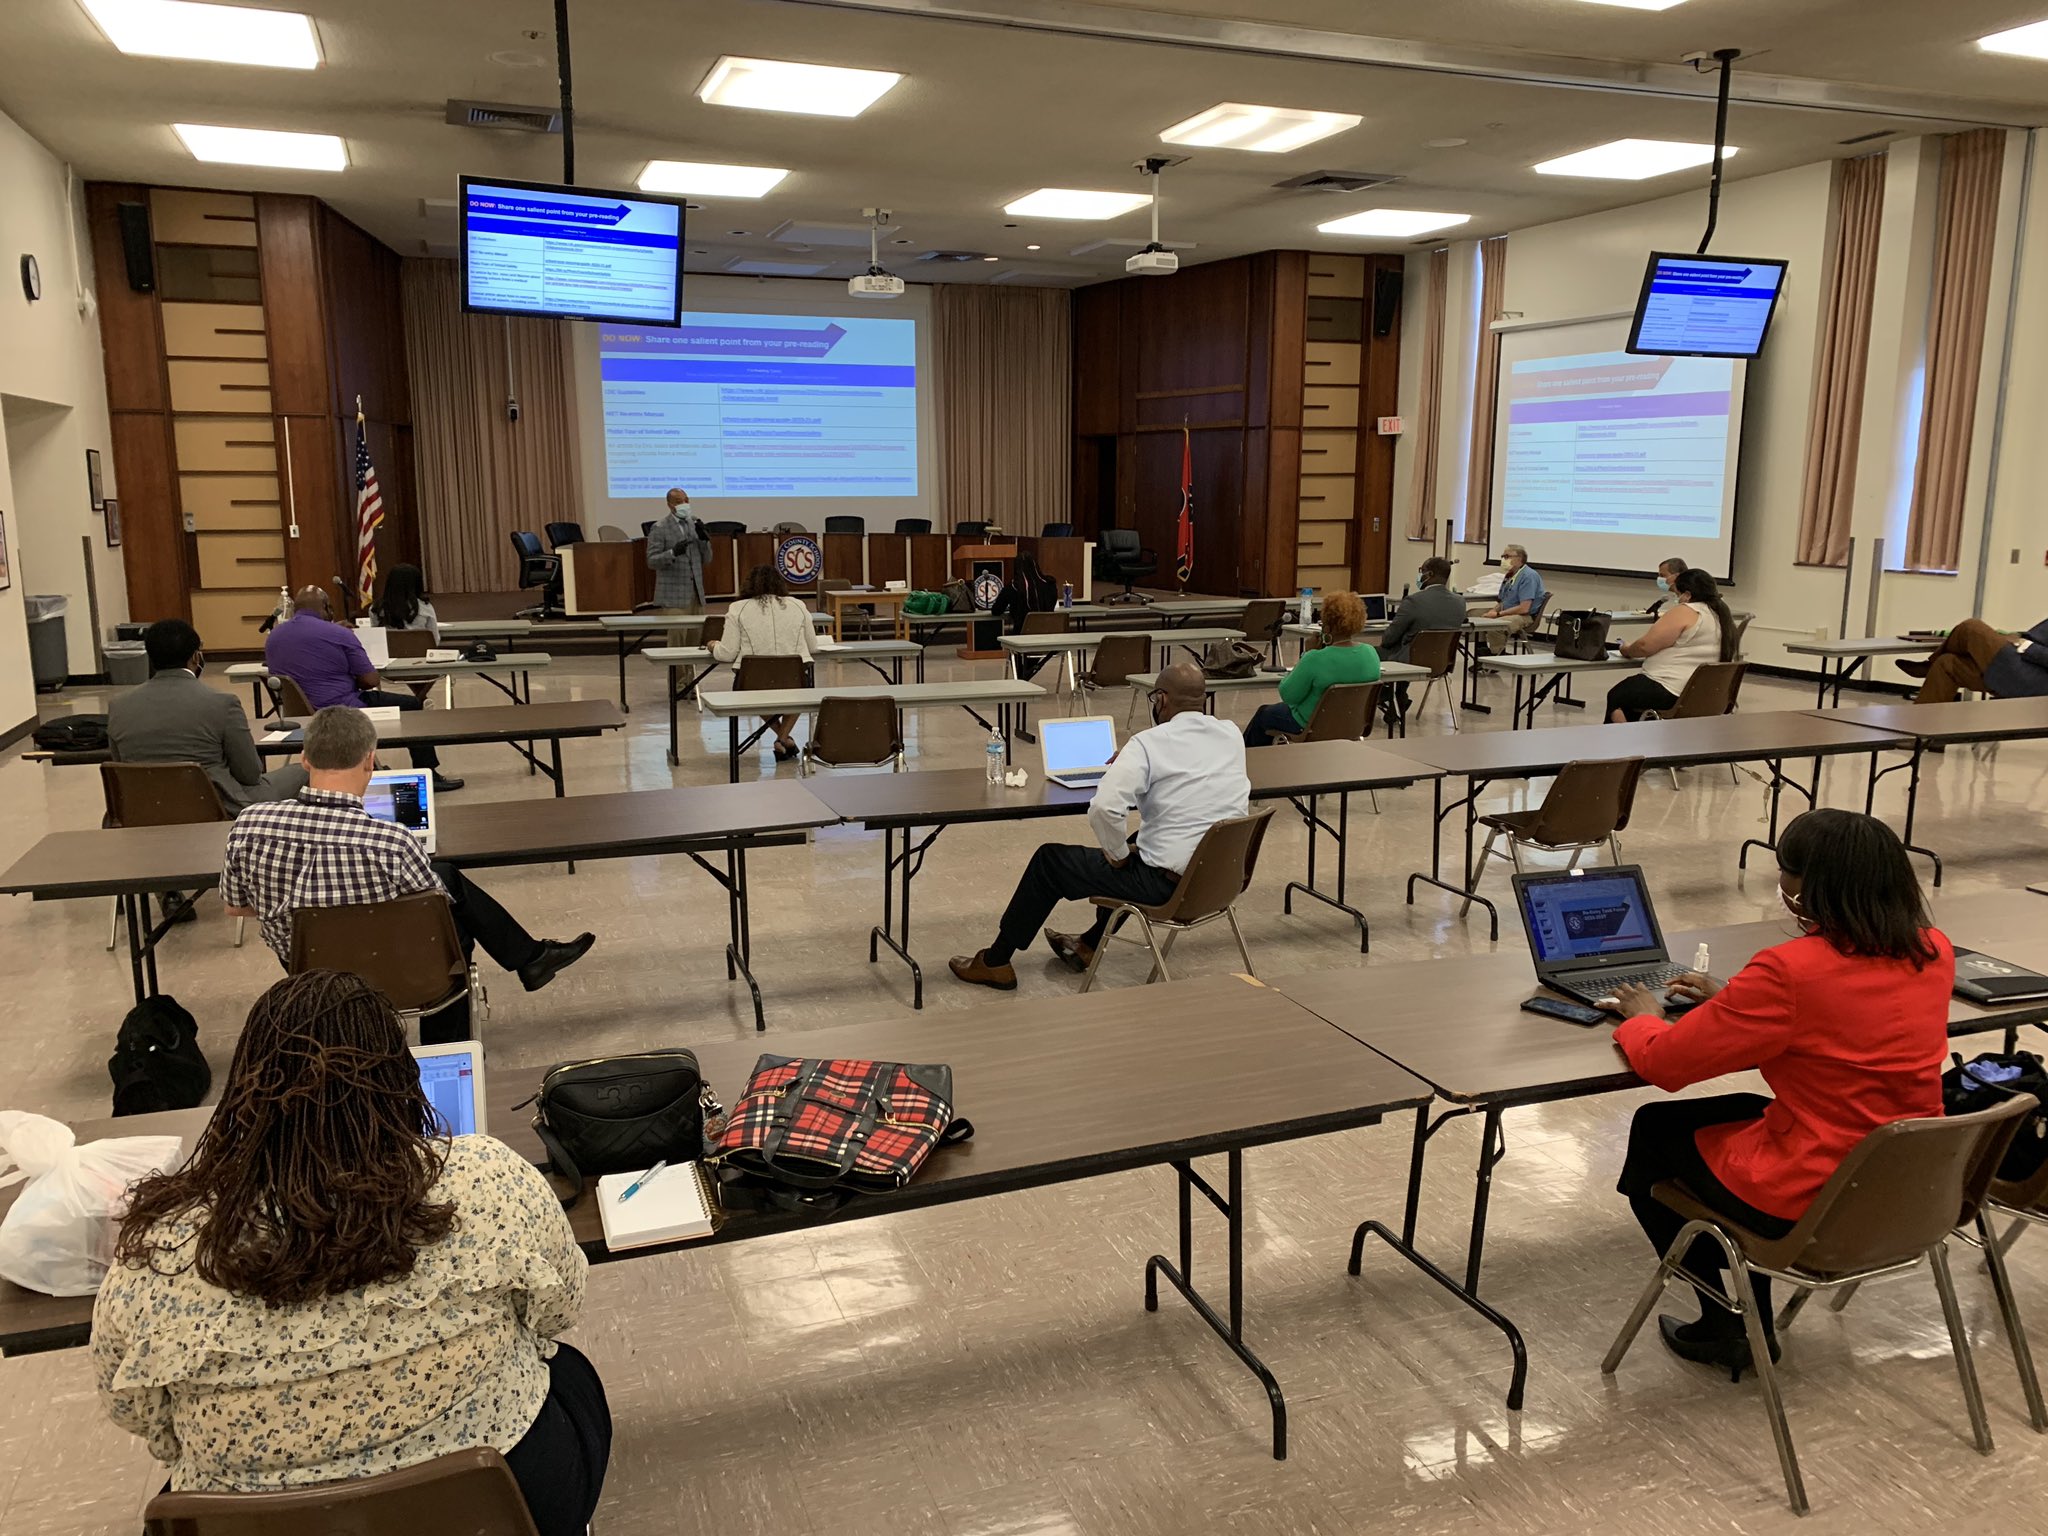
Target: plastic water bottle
(1701, 960)
(1308, 604)
(996, 756)
(1066, 594)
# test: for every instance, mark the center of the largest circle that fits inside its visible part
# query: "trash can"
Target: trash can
(49, 658)
(127, 663)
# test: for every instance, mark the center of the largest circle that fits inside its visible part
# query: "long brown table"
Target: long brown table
(519, 726)
(1058, 1091)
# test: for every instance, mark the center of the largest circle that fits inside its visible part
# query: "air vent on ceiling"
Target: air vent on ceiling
(1334, 181)
(1868, 138)
(945, 258)
(501, 114)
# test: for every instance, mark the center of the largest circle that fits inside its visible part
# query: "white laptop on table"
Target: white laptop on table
(452, 1076)
(405, 798)
(1077, 752)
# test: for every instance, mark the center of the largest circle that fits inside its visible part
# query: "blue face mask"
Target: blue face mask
(1663, 585)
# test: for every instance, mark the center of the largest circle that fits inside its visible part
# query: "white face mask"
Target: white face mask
(1792, 905)
(1663, 585)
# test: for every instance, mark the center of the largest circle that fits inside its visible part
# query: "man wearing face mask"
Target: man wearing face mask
(1433, 605)
(1668, 572)
(1182, 776)
(676, 550)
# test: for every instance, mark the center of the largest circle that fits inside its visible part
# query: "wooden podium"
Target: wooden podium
(977, 563)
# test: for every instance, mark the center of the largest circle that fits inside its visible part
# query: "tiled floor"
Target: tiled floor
(989, 1368)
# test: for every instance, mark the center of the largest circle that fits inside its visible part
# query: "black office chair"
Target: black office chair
(1056, 531)
(1120, 557)
(561, 534)
(913, 525)
(846, 525)
(970, 530)
(538, 568)
(646, 528)
(728, 530)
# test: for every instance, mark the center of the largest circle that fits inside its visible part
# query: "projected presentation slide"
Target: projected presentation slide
(761, 405)
(552, 252)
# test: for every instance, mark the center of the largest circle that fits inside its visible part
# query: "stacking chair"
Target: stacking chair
(1588, 804)
(159, 795)
(858, 731)
(470, 1491)
(1057, 622)
(408, 949)
(1116, 660)
(1436, 649)
(1893, 1202)
(771, 674)
(292, 700)
(1219, 871)
(411, 645)
(1742, 623)
(1261, 624)
(1343, 713)
(1711, 690)
(2026, 1199)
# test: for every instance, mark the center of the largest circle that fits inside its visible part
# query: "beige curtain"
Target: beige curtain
(479, 476)
(1834, 423)
(1493, 283)
(1429, 399)
(1003, 383)
(1971, 165)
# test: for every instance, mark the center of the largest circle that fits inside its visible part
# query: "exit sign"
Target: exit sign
(1388, 426)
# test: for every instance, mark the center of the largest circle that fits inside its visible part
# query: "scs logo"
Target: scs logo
(798, 560)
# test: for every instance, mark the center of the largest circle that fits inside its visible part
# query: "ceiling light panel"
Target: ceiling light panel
(697, 178)
(264, 146)
(1269, 130)
(771, 85)
(2028, 42)
(220, 34)
(1393, 223)
(1632, 159)
(1640, 5)
(1070, 203)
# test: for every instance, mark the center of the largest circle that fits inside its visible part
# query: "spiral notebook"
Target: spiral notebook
(680, 1204)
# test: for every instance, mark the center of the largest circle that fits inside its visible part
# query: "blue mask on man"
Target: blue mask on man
(1663, 585)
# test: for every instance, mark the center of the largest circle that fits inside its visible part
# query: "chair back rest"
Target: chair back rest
(1119, 542)
(159, 795)
(407, 644)
(1711, 690)
(714, 629)
(913, 525)
(1344, 713)
(840, 523)
(775, 673)
(1056, 531)
(970, 530)
(408, 949)
(727, 529)
(1902, 1189)
(1588, 802)
(468, 1492)
(789, 525)
(855, 731)
(527, 545)
(1434, 649)
(646, 528)
(1054, 623)
(1262, 619)
(1220, 869)
(291, 698)
(560, 534)
(1118, 657)
(607, 534)
(1742, 623)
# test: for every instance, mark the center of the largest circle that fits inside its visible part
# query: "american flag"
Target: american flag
(369, 518)
(1184, 541)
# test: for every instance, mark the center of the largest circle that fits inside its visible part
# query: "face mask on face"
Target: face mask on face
(1663, 585)
(1157, 718)
(1793, 905)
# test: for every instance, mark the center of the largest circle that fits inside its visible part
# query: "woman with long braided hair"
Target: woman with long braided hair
(329, 1288)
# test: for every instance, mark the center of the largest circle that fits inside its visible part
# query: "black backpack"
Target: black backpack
(72, 733)
(157, 1064)
(1987, 1082)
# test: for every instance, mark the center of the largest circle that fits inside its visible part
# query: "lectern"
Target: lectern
(986, 568)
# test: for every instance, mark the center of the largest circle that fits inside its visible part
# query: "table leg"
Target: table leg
(1341, 832)
(902, 866)
(135, 909)
(1436, 853)
(732, 749)
(1180, 1278)
(740, 953)
(623, 705)
(675, 734)
(1913, 811)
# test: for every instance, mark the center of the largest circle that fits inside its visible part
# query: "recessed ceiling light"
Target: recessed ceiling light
(991, 258)
(220, 34)
(1067, 203)
(1270, 130)
(2028, 42)
(1445, 143)
(1640, 5)
(696, 178)
(1632, 159)
(772, 85)
(264, 146)
(1392, 222)
(1031, 247)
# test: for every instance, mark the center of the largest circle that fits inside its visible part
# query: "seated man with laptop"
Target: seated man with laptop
(1182, 776)
(330, 847)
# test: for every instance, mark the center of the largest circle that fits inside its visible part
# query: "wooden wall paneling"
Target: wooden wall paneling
(404, 480)
(888, 558)
(227, 503)
(930, 568)
(1097, 359)
(316, 496)
(722, 568)
(184, 216)
(249, 559)
(220, 387)
(213, 330)
(1379, 395)
(755, 549)
(229, 620)
(1062, 559)
(153, 541)
(843, 556)
(366, 328)
(130, 338)
(1283, 510)
(295, 316)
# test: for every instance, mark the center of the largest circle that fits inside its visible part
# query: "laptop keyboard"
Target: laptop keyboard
(1653, 977)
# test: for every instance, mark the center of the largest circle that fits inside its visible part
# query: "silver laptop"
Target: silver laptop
(453, 1077)
(405, 798)
(1077, 752)
(1593, 930)
(1375, 606)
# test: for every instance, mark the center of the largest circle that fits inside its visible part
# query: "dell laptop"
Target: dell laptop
(1077, 751)
(1593, 930)
(452, 1076)
(405, 798)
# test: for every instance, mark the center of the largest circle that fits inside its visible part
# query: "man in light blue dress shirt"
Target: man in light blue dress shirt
(1522, 596)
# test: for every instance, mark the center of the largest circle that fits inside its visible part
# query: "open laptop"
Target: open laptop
(405, 798)
(1592, 930)
(453, 1077)
(1076, 752)
(1375, 606)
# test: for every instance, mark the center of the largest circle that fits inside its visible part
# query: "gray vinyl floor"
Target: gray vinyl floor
(989, 1368)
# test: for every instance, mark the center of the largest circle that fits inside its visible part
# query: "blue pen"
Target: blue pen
(640, 1183)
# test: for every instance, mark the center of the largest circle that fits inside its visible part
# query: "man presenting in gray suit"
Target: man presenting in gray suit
(676, 547)
(175, 718)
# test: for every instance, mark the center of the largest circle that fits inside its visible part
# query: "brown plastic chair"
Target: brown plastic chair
(1711, 691)
(407, 644)
(1742, 623)
(1436, 649)
(1588, 804)
(292, 700)
(1343, 713)
(407, 949)
(471, 1492)
(2026, 1199)
(1893, 1202)
(1261, 623)
(1218, 872)
(1116, 660)
(159, 795)
(1053, 623)
(770, 674)
(854, 731)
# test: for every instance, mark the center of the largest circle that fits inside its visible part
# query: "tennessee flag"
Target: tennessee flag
(1184, 542)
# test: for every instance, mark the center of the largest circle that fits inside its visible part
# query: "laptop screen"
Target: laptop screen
(1072, 745)
(1588, 919)
(401, 796)
(1375, 606)
(450, 1076)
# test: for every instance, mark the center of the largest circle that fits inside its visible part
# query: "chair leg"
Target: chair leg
(1793, 1308)
(1741, 1291)
(1479, 864)
(1159, 970)
(1614, 847)
(1230, 913)
(1652, 1293)
(1959, 1340)
(2015, 1330)
(1674, 777)
(1375, 795)
(242, 923)
(1116, 921)
(114, 924)
(1839, 1302)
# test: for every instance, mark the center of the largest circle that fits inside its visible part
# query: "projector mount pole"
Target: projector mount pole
(1726, 57)
(569, 97)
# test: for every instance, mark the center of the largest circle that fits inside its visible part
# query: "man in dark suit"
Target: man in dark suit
(175, 718)
(1433, 605)
(1983, 660)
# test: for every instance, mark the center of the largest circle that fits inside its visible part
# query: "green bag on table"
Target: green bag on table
(925, 602)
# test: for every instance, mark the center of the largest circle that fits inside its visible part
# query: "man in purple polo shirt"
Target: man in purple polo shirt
(330, 666)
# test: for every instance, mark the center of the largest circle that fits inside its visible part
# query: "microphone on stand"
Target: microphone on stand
(347, 607)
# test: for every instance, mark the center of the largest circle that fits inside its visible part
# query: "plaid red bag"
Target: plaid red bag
(839, 1125)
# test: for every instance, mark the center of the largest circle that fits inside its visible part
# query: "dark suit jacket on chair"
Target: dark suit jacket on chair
(175, 718)
(1434, 607)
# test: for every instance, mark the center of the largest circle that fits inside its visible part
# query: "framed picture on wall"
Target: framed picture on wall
(6, 571)
(92, 478)
(113, 523)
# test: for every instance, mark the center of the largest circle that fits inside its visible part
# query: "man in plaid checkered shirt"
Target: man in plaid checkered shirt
(323, 849)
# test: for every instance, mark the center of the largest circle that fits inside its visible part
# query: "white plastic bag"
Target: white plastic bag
(58, 1238)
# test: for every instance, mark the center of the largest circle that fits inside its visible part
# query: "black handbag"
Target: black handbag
(1581, 635)
(619, 1114)
(1987, 1081)
(157, 1064)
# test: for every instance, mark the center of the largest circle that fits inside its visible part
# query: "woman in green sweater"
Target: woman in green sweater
(1342, 658)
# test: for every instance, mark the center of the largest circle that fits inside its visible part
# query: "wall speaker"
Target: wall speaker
(137, 247)
(1386, 299)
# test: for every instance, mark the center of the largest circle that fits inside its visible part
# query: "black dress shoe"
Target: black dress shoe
(554, 957)
(445, 783)
(1712, 1343)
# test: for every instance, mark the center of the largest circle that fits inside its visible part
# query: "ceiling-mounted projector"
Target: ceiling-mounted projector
(1153, 262)
(875, 284)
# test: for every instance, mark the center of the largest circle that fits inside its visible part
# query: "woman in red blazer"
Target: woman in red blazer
(1848, 1023)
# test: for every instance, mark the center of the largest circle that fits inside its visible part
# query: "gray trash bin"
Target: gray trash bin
(127, 663)
(48, 656)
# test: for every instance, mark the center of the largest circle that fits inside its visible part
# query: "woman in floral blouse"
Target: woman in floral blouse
(329, 1289)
